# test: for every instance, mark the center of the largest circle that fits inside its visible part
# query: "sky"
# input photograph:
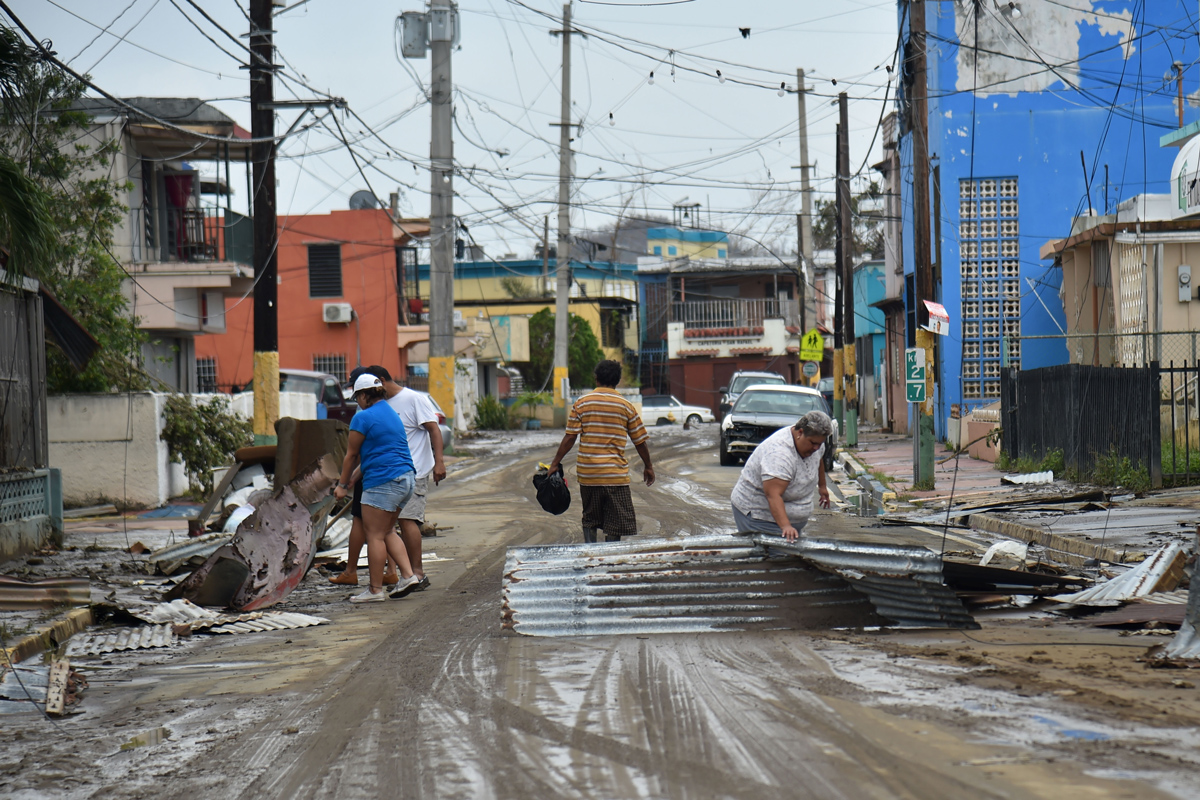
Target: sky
(687, 137)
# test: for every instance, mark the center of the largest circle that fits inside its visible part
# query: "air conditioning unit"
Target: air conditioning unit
(338, 312)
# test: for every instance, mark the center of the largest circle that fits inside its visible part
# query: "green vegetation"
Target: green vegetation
(1179, 461)
(203, 437)
(1053, 460)
(583, 353)
(58, 210)
(491, 415)
(1115, 470)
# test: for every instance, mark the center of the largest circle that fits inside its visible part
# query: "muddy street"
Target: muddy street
(428, 697)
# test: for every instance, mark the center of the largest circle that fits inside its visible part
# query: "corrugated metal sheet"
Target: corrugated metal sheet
(176, 612)
(23, 682)
(201, 547)
(16, 595)
(337, 535)
(145, 636)
(720, 582)
(269, 621)
(1137, 582)
(1186, 644)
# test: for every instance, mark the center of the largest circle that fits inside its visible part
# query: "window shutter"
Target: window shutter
(324, 270)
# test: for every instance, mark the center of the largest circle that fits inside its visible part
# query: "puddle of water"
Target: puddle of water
(148, 738)
(1071, 733)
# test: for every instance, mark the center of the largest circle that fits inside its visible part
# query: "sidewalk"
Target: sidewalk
(892, 456)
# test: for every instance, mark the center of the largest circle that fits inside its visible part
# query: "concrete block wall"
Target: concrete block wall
(109, 446)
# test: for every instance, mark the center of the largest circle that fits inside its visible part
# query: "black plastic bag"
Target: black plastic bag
(552, 492)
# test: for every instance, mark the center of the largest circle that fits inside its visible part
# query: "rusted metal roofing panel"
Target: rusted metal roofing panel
(720, 582)
(269, 621)
(142, 637)
(16, 595)
(1160, 571)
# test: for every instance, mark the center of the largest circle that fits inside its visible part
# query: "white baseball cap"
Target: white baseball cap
(367, 381)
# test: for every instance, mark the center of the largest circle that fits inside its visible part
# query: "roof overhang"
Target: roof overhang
(1109, 230)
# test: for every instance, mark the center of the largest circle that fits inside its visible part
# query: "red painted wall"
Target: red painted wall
(368, 285)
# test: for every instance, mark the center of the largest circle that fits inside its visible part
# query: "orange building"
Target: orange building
(338, 301)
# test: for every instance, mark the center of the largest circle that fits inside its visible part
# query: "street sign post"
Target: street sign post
(914, 375)
(812, 346)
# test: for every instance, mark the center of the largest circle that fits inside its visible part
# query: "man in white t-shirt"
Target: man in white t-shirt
(774, 493)
(416, 411)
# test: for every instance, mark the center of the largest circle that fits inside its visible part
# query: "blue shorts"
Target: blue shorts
(390, 496)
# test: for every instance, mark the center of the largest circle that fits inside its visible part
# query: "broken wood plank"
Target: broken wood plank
(1069, 551)
(56, 689)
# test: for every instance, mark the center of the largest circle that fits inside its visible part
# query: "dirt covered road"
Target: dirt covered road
(428, 698)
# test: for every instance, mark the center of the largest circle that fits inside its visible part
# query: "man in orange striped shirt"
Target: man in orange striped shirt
(604, 419)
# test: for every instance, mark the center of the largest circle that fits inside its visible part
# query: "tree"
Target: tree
(583, 351)
(867, 232)
(64, 235)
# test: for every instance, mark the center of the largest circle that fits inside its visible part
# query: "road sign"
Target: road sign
(914, 375)
(812, 346)
(914, 365)
(811, 368)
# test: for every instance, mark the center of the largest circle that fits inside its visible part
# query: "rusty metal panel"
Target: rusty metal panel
(720, 582)
(143, 637)
(1161, 571)
(16, 595)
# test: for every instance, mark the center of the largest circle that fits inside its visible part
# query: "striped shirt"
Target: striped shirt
(604, 418)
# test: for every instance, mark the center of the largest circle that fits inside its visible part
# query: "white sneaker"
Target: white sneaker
(370, 597)
(405, 586)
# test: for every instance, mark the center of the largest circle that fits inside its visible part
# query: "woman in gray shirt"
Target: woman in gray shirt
(774, 493)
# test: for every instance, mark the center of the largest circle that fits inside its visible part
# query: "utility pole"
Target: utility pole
(562, 261)
(443, 22)
(922, 249)
(846, 268)
(266, 265)
(839, 364)
(804, 220)
(543, 290)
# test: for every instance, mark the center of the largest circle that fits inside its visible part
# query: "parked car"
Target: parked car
(762, 410)
(664, 409)
(825, 387)
(330, 401)
(738, 383)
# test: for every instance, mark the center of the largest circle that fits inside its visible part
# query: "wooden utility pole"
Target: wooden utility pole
(266, 264)
(804, 219)
(922, 248)
(846, 268)
(839, 407)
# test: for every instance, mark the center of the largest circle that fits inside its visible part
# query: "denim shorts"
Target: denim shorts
(390, 496)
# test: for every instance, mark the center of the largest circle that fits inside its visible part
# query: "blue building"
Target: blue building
(1017, 92)
(869, 341)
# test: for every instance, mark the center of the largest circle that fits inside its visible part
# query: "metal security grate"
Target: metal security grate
(23, 498)
(324, 270)
(989, 246)
(206, 374)
(333, 363)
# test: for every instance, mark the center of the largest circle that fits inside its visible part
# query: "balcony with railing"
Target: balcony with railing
(733, 327)
(191, 235)
(721, 318)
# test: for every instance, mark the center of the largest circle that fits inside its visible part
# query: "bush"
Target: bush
(203, 437)
(1115, 470)
(491, 415)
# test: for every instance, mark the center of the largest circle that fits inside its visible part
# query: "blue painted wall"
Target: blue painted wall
(869, 287)
(1029, 120)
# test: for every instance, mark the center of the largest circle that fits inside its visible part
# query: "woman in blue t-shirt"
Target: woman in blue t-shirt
(379, 445)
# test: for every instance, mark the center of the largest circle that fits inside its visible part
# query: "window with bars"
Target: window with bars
(324, 270)
(333, 363)
(206, 374)
(990, 248)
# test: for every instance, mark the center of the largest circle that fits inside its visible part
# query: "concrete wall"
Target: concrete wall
(109, 446)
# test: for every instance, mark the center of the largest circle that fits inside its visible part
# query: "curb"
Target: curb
(51, 637)
(880, 492)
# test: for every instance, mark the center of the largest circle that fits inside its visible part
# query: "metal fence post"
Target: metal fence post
(1154, 462)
